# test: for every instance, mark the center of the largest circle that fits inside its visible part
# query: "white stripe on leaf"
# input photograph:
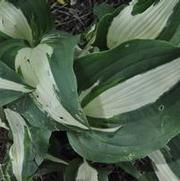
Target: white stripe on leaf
(86, 173)
(55, 159)
(107, 130)
(13, 22)
(162, 170)
(3, 125)
(136, 92)
(87, 91)
(35, 68)
(147, 25)
(13, 86)
(17, 124)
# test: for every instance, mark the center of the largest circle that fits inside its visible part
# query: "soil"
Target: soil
(3, 143)
(76, 18)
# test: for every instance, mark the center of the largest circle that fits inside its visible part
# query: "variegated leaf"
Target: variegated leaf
(147, 25)
(139, 82)
(86, 173)
(3, 123)
(138, 91)
(141, 5)
(11, 86)
(30, 145)
(9, 49)
(162, 170)
(167, 161)
(151, 19)
(79, 170)
(13, 22)
(28, 20)
(17, 126)
(49, 69)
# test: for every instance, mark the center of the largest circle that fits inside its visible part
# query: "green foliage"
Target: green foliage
(112, 106)
(142, 5)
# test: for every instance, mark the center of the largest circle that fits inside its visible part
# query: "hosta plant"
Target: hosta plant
(115, 105)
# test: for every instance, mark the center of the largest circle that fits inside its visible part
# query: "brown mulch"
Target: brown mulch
(3, 143)
(76, 18)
